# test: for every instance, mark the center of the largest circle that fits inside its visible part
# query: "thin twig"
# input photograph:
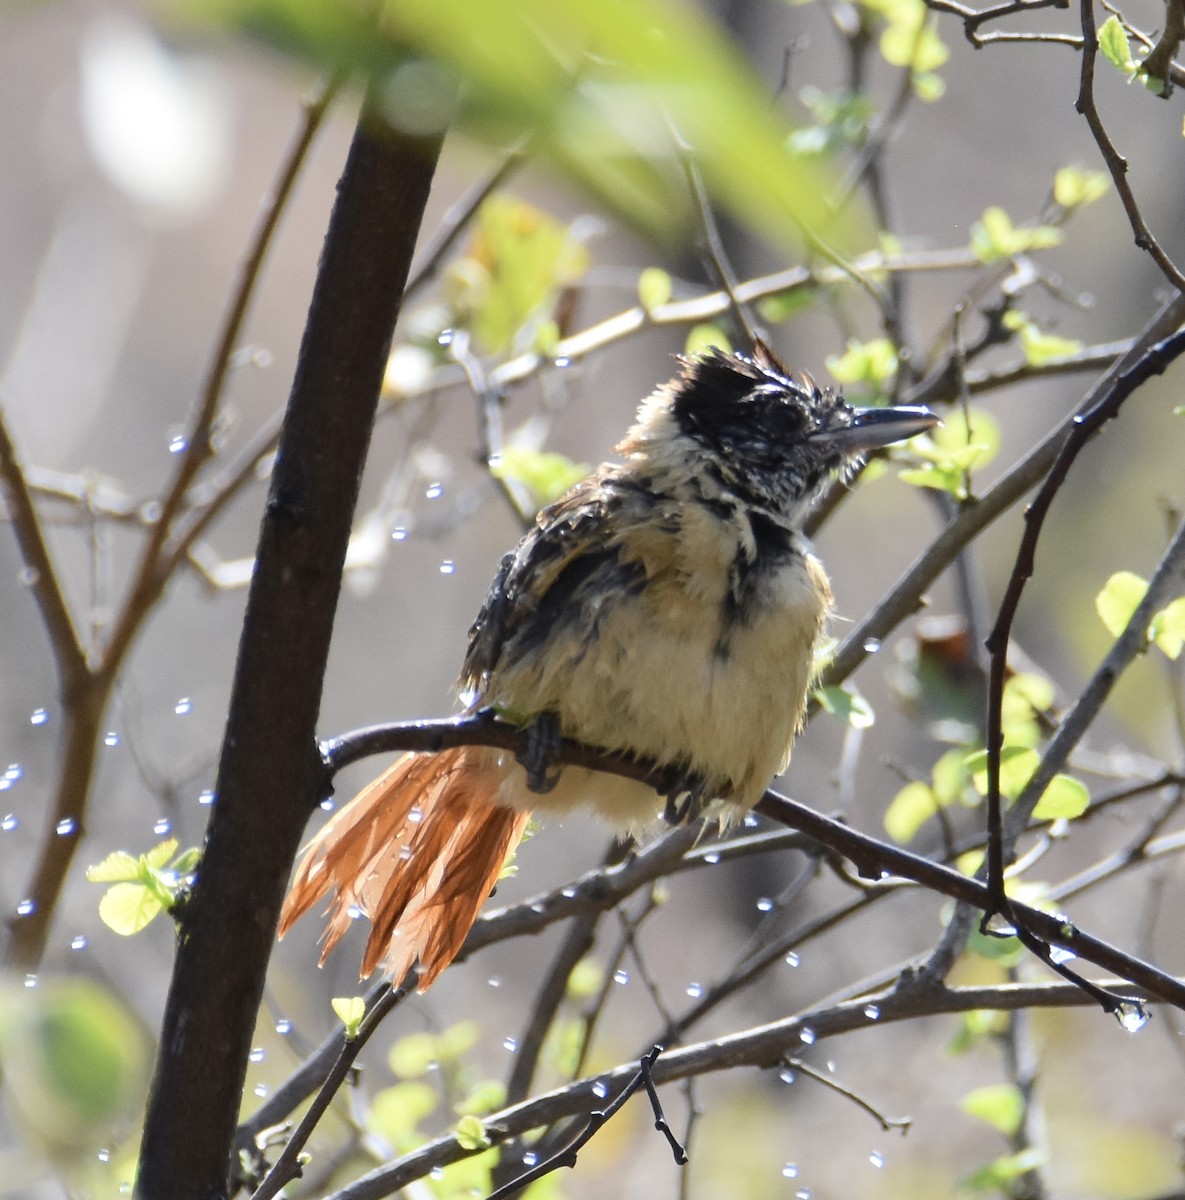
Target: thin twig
(566, 1157)
(287, 1167)
(1115, 162)
(1153, 362)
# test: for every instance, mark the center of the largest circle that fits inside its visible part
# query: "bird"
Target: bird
(667, 608)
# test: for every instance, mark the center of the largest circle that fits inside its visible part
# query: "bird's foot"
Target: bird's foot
(543, 748)
(686, 799)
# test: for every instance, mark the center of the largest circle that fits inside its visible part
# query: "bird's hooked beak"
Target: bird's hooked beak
(876, 427)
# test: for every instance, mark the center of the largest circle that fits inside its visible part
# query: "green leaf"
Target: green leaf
(74, 1063)
(1168, 628)
(160, 854)
(994, 236)
(485, 1097)
(1114, 45)
(654, 288)
(1041, 348)
(909, 810)
(350, 1010)
(962, 443)
(781, 306)
(1074, 187)
(585, 979)
(978, 1025)
(545, 474)
(118, 867)
(999, 1175)
(506, 285)
(1064, 799)
(1017, 764)
(395, 1112)
(847, 704)
(1116, 604)
(471, 1133)
(128, 907)
(704, 337)
(908, 44)
(1001, 1105)
(873, 362)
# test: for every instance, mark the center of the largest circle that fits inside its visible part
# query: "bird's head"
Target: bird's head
(768, 437)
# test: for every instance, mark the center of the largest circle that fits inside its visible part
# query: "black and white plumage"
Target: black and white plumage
(668, 608)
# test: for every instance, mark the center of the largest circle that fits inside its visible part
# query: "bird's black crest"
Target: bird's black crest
(749, 406)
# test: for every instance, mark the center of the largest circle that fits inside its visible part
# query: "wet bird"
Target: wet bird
(667, 608)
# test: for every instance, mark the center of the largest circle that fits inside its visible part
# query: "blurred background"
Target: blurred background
(133, 161)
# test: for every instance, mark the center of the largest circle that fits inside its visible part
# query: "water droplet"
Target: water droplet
(1132, 1015)
(562, 361)
(510, 1044)
(539, 907)
(436, 1173)
(5, 784)
(104, 1155)
(415, 816)
(29, 576)
(434, 491)
(792, 959)
(872, 645)
(206, 796)
(568, 893)
(765, 904)
(328, 804)
(998, 925)
(65, 827)
(354, 912)
(183, 707)
(257, 1055)
(39, 716)
(786, 1075)
(712, 859)
(111, 738)
(177, 443)
(399, 533)
(445, 337)
(448, 567)
(162, 826)
(10, 822)
(750, 821)
(79, 942)
(1061, 954)
(31, 980)
(283, 1026)
(261, 1090)
(404, 853)
(807, 1036)
(790, 1171)
(621, 977)
(803, 1194)
(14, 772)
(877, 1159)
(494, 981)
(26, 908)
(872, 1012)
(530, 1158)
(600, 1089)
(694, 990)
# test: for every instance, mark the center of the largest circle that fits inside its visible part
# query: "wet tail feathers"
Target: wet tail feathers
(418, 851)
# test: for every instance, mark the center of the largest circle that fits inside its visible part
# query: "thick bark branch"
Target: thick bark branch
(271, 767)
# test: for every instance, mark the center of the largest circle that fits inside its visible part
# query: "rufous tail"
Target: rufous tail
(418, 851)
